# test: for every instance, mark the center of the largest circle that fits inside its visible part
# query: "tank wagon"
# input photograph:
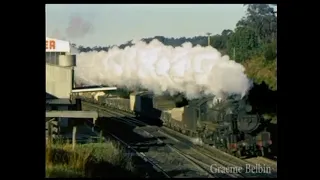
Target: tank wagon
(224, 123)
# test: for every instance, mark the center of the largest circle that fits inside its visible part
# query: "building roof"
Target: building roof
(56, 45)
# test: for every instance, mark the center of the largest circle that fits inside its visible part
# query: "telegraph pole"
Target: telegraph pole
(208, 34)
(234, 54)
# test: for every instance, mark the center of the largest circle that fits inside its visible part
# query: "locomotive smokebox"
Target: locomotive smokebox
(248, 123)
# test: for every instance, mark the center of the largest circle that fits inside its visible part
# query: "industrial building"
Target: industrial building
(60, 63)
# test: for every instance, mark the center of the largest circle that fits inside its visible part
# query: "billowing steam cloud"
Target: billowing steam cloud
(194, 71)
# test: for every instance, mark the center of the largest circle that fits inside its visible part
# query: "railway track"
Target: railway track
(227, 160)
(271, 162)
(216, 160)
(169, 160)
(145, 162)
(207, 159)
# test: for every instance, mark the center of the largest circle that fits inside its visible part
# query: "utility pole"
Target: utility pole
(208, 34)
(234, 54)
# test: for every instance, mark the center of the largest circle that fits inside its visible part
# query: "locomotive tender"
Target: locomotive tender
(224, 123)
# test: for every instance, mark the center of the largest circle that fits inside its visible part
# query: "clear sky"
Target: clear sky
(113, 24)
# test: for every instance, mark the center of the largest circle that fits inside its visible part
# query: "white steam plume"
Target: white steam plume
(194, 71)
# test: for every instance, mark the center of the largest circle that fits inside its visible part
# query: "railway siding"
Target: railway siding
(152, 148)
(208, 158)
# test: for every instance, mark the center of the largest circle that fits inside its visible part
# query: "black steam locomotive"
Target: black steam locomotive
(224, 123)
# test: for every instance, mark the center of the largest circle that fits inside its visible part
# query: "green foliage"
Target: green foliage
(261, 70)
(221, 41)
(253, 43)
(245, 44)
(270, 53)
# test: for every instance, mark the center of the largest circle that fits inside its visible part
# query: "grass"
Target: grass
(87, 160)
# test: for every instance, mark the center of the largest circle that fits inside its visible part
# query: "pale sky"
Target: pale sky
(114, 24)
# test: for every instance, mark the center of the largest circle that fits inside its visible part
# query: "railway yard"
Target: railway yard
(162, 152)
(207, 120)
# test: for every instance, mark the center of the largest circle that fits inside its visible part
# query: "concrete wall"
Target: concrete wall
(59, 80)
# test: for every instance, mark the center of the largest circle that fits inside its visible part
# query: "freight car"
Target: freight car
(224, 123)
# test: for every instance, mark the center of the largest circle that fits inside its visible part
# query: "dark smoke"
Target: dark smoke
(57, 35)
(78, 27)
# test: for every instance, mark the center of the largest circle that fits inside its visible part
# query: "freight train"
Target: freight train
(226, 124)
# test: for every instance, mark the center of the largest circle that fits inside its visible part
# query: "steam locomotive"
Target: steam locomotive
(224, 123)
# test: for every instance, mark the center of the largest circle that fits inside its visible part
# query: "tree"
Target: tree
(261, 18)
(245, 41)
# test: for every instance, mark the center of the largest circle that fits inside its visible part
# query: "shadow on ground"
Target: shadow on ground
(177, 172)
(141, 143)
(126, 133)
(107, 170)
